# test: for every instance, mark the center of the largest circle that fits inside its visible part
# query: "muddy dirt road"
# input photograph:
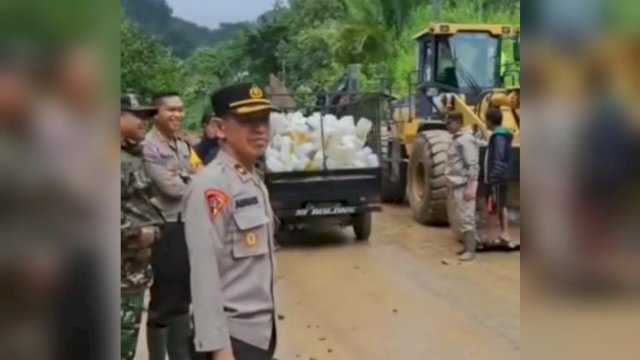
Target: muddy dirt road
(402, 296)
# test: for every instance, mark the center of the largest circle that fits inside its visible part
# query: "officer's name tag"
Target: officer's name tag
(244, 202)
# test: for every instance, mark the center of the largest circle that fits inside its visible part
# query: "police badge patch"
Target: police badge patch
(216, 200)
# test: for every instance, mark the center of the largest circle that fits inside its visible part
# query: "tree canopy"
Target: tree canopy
(307, 43)
(181, 36)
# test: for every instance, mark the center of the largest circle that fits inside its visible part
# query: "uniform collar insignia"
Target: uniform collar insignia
(240, 170)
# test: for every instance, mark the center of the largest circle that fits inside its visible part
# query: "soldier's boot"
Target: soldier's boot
(469, 241)
(157, 342)
(178, 342)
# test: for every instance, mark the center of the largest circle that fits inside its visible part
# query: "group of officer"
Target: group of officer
(207, 230)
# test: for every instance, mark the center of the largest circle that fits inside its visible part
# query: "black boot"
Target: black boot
(179, 338)
(157, 342)
(469, 241)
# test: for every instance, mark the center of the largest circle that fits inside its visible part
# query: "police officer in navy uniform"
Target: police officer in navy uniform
(229, 230)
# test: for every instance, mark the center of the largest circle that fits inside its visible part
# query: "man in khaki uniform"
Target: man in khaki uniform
(229, 231)
(168, 164)
(462, 180)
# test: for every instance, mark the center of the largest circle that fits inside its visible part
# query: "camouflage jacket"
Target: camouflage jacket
(137, 210)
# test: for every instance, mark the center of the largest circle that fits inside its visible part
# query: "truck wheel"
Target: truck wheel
(426, 181)
(362, 226)
(394, 192)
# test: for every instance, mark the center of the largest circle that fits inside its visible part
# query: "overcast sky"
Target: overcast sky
(210, 13)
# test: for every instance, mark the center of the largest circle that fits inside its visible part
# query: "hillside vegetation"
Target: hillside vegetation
(181, 36)
(309, 43)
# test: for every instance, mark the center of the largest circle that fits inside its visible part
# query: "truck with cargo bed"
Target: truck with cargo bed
(325, 190)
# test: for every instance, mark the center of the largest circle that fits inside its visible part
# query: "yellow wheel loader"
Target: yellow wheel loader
(462, 68)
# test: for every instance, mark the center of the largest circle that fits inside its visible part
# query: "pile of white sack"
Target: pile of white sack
(297, 143)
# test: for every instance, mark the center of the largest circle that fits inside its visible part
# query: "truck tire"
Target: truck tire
(362, 226)
(394, 192)
(426, 181)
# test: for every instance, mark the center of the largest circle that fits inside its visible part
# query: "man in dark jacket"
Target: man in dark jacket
(498, 170)
(208, 147)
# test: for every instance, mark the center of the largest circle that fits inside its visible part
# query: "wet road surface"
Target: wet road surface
(400, 296)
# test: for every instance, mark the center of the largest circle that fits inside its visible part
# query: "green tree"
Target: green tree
(207, 70)
(260, 45)
(372, 29)
(181, 36)
(309, 57)
(145, 65)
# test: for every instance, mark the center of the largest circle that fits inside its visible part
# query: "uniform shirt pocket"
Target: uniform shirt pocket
(251, 236)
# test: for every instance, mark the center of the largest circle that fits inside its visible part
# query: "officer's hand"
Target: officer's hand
(225, 354)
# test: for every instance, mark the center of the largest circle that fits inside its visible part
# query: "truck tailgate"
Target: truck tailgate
(293, 191)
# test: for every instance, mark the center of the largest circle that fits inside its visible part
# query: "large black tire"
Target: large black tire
(426, 181)
(394, 192)
(362, 226)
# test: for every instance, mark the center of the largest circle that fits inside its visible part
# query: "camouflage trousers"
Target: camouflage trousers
(131, 309)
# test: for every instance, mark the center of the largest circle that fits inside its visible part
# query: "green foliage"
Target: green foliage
(145, 65)
(260, 46)
(309, 43)
(181, 36)
(209, 69)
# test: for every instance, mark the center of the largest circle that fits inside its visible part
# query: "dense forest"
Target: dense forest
(308, 43)
(181, 36)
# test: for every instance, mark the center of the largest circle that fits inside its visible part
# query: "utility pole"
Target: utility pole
(436, 10)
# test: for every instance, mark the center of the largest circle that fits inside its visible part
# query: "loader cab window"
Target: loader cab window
(425, 61)
(468, 61)
(446, 73)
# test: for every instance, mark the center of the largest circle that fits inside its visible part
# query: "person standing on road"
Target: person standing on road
(208, 147)
(462, 180)
(229, 231)
(167, 159)
(140, 223)
(498, 170)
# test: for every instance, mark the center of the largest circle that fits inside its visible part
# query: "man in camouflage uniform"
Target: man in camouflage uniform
(462, 180)
(140, 223)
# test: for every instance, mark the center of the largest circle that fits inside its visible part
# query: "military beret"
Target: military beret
(240, 99)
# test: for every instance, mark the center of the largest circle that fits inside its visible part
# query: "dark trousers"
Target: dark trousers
(244, 351)
(79, 323)
(498, 200)
(170, 291)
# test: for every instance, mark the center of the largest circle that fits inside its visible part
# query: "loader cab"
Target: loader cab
(464, 59)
